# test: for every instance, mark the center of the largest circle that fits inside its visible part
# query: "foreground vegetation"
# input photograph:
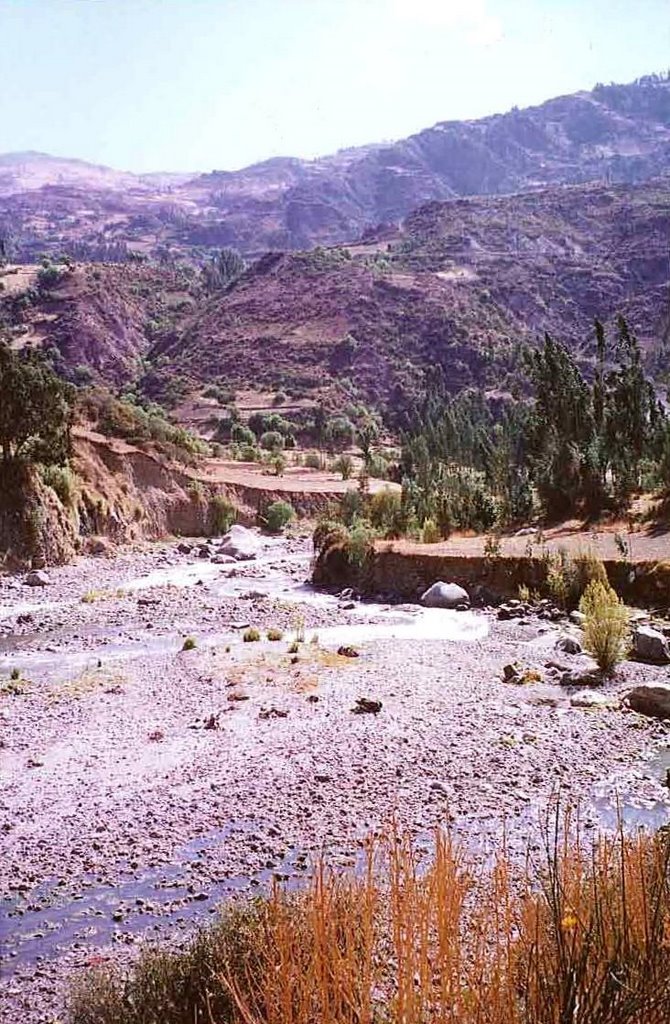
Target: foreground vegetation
(582, 935)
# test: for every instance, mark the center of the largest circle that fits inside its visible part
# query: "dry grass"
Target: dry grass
(583, 937)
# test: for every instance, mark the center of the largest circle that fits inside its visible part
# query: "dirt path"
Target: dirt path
(141, 784)
(650, 543)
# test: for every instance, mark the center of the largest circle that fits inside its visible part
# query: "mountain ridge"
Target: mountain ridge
(612, 134)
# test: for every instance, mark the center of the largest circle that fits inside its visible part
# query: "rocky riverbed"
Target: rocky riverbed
(143, 783)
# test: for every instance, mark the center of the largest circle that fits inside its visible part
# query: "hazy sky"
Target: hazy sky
(199, 84)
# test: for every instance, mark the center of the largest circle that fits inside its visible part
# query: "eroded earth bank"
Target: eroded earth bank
(143, 783)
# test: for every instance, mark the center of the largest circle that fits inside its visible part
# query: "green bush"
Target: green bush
(384, 510)
(430, 533)
(251, 635)
(222, 514)
(272, 440)
(345, 466)
(606, 626)
(313, 461)
(63, 481)
(242, 434)
(274, 634)
(278, 515)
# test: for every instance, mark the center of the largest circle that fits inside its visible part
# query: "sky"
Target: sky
(186, 85)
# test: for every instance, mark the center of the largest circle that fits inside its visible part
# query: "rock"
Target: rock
(223, 559)
(589, 699)
(204, 551)
(445, 595)
(568, 644)
(37, 578)
(578, 618)
(651, 645)
(512, 610)
(512, 673)
(241, 543)
(366, 706)
(184, 549)
(347, 652)
(99, 547)
(582, 677)
(653, 701)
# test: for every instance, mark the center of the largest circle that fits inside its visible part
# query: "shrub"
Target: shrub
(359, 545)
(313, 461)
(567, 578)
(580, 937)
(278, 515)
(189, 644)
(249, 453)
(430, 533)
(274, 634)
(385, 511)
(278, 463)
(606, 625)
(222, 514)
(352, 507)
(251, 635)
(271, 440)
(242, 434)
(63, 481)
(344, 465)
(279, 398)
(327, 533)
(377, 467)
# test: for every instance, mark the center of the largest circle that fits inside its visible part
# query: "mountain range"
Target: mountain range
(369, 271)
(613, 134)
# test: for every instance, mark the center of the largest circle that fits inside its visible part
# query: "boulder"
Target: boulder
(593, 699)
(651, 645)
(37, 578)
(445, 595)
(653, 701)
(223, 559)
(241, 543)
(568, 644)
(582, 677)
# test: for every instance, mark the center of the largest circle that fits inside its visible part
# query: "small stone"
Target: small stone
(366, 706)
(347, 652)
(37, 578)
(568, 644)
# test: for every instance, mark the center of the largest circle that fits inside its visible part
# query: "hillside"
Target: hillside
(457, 287)
(95, 320)
(613, 134)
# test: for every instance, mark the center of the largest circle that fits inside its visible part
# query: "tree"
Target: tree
(223, 269)
(35, 410)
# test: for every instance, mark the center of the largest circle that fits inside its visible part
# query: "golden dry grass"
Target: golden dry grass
(580, 937)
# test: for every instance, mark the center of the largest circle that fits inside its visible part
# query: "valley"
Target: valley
(180, 777)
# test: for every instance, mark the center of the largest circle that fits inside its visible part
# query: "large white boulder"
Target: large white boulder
(241, 543)
(445, 595)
